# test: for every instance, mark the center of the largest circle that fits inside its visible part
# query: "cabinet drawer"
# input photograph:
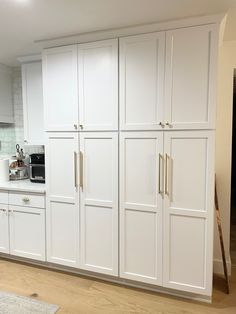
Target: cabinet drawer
(3, 197)
(27, 199)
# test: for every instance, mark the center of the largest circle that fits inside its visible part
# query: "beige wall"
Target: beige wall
(227, 64)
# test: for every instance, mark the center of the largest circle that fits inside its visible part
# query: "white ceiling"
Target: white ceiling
(24, 21)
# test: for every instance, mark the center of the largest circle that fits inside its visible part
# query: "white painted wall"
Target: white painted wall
(227, 64)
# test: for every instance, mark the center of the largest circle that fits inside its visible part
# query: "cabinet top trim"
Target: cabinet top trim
(130, 30)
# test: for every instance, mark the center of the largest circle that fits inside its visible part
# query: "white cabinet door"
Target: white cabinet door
(98, 85)
(99, 202)
(142, 62)
(62, 198)
(60, 88)
(6, 103)
(4, 229)
(190, 78)
(141, 190)
(27, 232)
(32, 91)
(188, 211)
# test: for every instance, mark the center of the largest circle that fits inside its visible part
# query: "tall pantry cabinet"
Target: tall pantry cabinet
(130, 156)
(82, 167)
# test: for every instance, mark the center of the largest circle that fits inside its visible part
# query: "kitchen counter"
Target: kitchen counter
(23, 186)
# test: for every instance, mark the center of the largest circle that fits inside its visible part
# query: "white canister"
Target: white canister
(4, 170)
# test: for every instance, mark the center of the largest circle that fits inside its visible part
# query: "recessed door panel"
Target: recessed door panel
(27, 232)
(98, 85)
(60, 88)
(141, 192)
(4, 229)
(190, 77)
(141, 81)
(99, 202)
(188, 211)
(62, 198)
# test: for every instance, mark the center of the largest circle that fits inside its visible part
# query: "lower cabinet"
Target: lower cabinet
(99, 202)
(188, 211)
(166, 208)
(62, 204)
(27, 232)
(141, 207)
(22, 231)
(4, 229)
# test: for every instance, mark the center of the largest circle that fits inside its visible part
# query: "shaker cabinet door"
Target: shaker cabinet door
(190, 77)
(141, 190)
(60, 88)
(32, 92)
(27, 232)
(99, 202)
(62, 198)
(188, 211)
(142, 62)
(98, 85)
(4, 229)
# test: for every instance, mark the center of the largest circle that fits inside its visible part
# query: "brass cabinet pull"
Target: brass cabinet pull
(160, 186)
(75, 169)
(166, 174)
(81, 181)
(162, 124)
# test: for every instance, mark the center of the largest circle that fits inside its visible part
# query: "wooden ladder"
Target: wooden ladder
(218, 218)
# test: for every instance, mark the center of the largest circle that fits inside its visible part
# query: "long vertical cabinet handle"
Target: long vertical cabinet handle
(81, 181)
(75, 169)
(166, 175)
(160, 175)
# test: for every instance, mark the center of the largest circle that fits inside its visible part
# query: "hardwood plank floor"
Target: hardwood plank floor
(79, 295)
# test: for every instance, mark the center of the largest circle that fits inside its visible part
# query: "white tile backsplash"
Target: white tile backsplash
(12, 134)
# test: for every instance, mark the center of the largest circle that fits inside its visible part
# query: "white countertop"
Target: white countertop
(23, 186)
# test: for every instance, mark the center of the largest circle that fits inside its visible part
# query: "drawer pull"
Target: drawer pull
(25, 199)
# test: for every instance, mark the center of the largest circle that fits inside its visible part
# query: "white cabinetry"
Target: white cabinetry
(188, 211)
(190, 77)
(174, 180)
(166, 117)
(22, 222)
(141, 207)
(98, 85)
(99, 202)
(27, 232)
(6, 104)
(142, 81)
(4, 229)
(188, 82)
(32, 90)
(60, 87)
(62, 198)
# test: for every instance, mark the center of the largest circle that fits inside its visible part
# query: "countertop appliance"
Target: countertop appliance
(37, 168)
(18, 168)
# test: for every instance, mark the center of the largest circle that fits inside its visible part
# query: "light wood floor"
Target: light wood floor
(79, 295)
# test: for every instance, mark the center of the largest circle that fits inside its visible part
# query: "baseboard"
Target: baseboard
(218, 267)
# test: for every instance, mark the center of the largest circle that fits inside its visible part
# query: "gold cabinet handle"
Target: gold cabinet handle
(81, 126)
(160, 185)
(75, 126)
(162, 124)
(166, 174)
(75, 169)
(81, 181)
